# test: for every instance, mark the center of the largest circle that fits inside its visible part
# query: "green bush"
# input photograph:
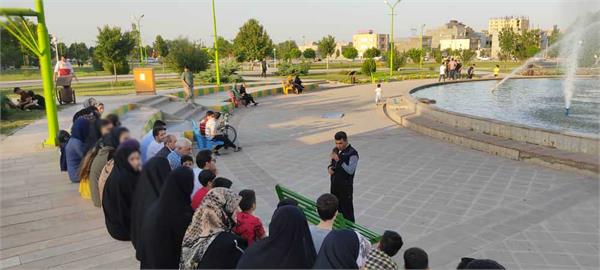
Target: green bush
(285, 69)
(3, 106)
(368, 67)
(183, 52)
(122, 67)
(97, 64)
(227, 71)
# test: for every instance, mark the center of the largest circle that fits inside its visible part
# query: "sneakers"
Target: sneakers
(237, 149)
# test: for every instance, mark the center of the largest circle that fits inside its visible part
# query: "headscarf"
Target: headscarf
(89, 113)
(148, 189)
(342, 249)
(212, 217)
(80, 129)
(112, 139)
(288, 246)
(118, 192)
(166, 221)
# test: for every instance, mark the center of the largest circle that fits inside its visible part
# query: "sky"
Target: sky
(300, 20)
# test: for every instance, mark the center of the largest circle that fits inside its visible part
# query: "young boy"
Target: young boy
(248, 226)
(206, 178)
(187, 161)
(496, 70)
(378, 94)
(381, 257)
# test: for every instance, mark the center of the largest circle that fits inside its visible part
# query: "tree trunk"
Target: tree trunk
(115, 72)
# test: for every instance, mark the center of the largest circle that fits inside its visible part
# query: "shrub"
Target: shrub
(227, 71)
(182, 53)
(371, 53)
(369, 67)
(121, 67)
(285, 69)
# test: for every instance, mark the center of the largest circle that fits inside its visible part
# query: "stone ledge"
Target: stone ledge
(551, 157)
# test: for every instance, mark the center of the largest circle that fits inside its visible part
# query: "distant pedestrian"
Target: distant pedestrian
(458, 70)
(263, 68)
(442, 72)
(496, 70)
(344, 159)
(451, 69)
(471, 72)
(378, 94)
(187, 79)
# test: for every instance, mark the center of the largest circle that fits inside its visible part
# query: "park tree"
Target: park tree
(183, 52)
(161, 47)
(309, 54)
(350, 52)
(63, 50)
(295, 53)
(284, 49)
(337, 53)
(326, 47)
(10, 51)
(414, 54)
(252, 41)
(528, 44)
(371, 53)
(369, 67)
(80, 52)
(466, 56)
(507, 42)
(112, 49)
(437, 55)
(225, 48)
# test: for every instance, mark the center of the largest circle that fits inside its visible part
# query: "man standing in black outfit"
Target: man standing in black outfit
(344, 159)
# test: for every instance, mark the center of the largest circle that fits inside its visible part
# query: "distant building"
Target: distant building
(405, 44)
(365, 40)
(451, 30)
(518, 24)
(456, 44)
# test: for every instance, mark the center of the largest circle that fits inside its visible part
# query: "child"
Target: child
(248, 226)
(187, 161)
(206, 179)
(378, 94)
(496, 70)
(222, 182)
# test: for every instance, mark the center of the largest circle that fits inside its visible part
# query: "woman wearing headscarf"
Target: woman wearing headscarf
(107, 146)
(147, 190)
(343, 249)
(208, 241)
(288, 246)
(119, 188)
(159, 245)
(75, 149)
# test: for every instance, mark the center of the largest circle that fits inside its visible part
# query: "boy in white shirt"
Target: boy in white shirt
(378, 94)
(212, 133)
(442, 73)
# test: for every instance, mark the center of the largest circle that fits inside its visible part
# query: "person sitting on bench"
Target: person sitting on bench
(26, 100)
(213, 133)
(297, 83)
(246, 97)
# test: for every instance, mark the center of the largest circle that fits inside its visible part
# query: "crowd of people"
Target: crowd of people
(179, 213)
(452, 68)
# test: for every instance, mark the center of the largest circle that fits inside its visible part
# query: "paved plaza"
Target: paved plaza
(451, 201)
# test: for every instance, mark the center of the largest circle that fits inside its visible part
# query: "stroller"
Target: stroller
(66, 94)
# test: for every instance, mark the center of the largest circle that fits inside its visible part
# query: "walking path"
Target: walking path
(451, 201)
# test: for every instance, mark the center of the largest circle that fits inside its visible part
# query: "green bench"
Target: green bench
(309, 208)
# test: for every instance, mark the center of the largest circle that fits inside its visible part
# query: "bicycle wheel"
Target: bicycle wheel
(230, 132)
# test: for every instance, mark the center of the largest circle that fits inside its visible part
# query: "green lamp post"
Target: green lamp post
(41, 48)
(392, 14)
(216, 45)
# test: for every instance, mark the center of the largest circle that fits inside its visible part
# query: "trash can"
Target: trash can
(145, 83)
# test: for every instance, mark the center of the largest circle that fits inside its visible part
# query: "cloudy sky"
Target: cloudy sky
(77, 20)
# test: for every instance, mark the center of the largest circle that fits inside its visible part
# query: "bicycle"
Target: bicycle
(227, 129)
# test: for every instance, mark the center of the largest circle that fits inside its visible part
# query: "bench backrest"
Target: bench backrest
(309, 208)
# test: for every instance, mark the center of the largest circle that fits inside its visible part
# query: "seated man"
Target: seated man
(169, 146)
(246, 97)
(26, 101)
(213, 133)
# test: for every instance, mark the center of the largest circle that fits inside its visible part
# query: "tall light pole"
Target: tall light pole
(392, 14)
(138, 19)
(215, 44)
(421, 40)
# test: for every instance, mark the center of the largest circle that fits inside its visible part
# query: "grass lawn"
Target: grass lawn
(17, 118)
(380, 76)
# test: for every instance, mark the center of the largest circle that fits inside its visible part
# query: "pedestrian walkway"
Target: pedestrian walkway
(452, 201)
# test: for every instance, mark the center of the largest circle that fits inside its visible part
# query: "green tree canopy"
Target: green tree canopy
(466, 56)
(252, 41)
(414, 54)
(284, 49)
(161, 46)
(326, 46)
(350, 52)
(113, 47)
(295, 53)
(309, 54)
(183, 52)
(371, 53)
(79, 51)
(369, 67)
(225, 47)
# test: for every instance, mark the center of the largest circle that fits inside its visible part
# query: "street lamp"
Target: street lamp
(138, 19)
(274, 58)
(392, 7)
(54, 41)
(421, 40)
(215, 45)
